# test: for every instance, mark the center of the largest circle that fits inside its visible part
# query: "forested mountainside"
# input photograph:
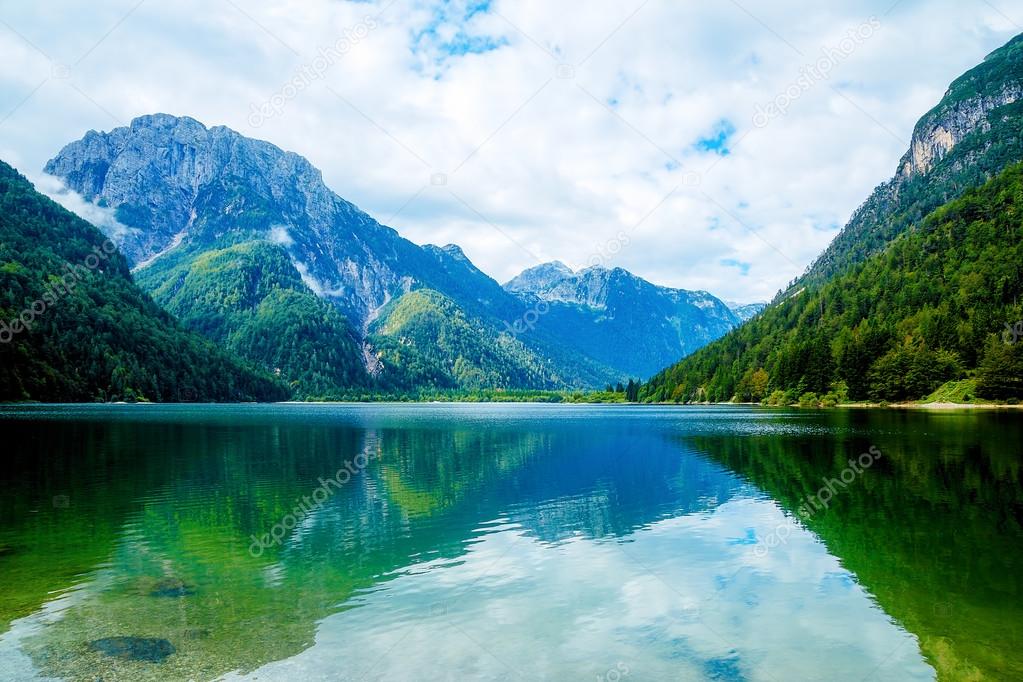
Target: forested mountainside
(874, 319)
(974, 132)
(75, 327)
(249, 299)
(423, 330)
(942, 302)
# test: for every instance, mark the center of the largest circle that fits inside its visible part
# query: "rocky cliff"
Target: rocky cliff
(950, 123)
(172, 181)
(972, 134)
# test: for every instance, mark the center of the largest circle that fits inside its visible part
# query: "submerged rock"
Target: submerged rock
(147, 649)
(171, 587)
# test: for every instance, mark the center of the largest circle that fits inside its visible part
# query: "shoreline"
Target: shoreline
(933, 406)
(954, 406)
(937, 406)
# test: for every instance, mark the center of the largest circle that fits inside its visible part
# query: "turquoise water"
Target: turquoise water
(397, 542)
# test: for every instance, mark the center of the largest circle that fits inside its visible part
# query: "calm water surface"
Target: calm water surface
(401, 542)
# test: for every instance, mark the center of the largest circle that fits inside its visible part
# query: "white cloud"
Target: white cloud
(279, 235)
(536, 165)
(317, 286)
(100, 216)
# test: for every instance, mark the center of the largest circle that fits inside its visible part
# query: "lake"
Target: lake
(552, 542)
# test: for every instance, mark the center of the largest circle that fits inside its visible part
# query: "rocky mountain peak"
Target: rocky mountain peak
(966, 106)
(172, 182)
(455, 251)
(539, 277)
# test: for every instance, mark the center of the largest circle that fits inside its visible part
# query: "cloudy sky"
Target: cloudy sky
(715, 146)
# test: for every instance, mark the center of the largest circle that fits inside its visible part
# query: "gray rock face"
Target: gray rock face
(538, 278)
(173, 181)
(968, 137)
(602, 288)
(945, 127)
(966, 109)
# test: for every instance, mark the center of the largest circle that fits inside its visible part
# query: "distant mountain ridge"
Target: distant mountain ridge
(746, 311)
(610, 313)
(180, 191)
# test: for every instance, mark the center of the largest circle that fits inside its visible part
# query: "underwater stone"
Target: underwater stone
(147, 649)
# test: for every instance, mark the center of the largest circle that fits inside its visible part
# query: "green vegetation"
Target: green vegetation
(612, 394)
(250, 299)
(961, 391)
(426, 395)
(478, 395)
(932, 308)
(896, 206)
(424, 340)
(91, 333)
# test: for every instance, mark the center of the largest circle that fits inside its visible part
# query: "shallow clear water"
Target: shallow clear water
(509, 542)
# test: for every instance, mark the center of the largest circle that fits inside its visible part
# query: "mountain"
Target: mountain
(539, 278)
(439, 346)
(245, 243)
(918, 289)
(746, 311)
(620, 319)
(249, 299)
(974, 132)
(186, 199)
(940, 304)
(176, 185)
(76, 328)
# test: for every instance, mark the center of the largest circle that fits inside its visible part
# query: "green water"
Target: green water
(511, 542)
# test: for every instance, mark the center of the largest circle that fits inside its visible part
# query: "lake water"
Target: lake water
(455, 542)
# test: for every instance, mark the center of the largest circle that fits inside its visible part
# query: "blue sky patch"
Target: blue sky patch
(463, 44)
(717, 141)
(742, 266)
(439, 45)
